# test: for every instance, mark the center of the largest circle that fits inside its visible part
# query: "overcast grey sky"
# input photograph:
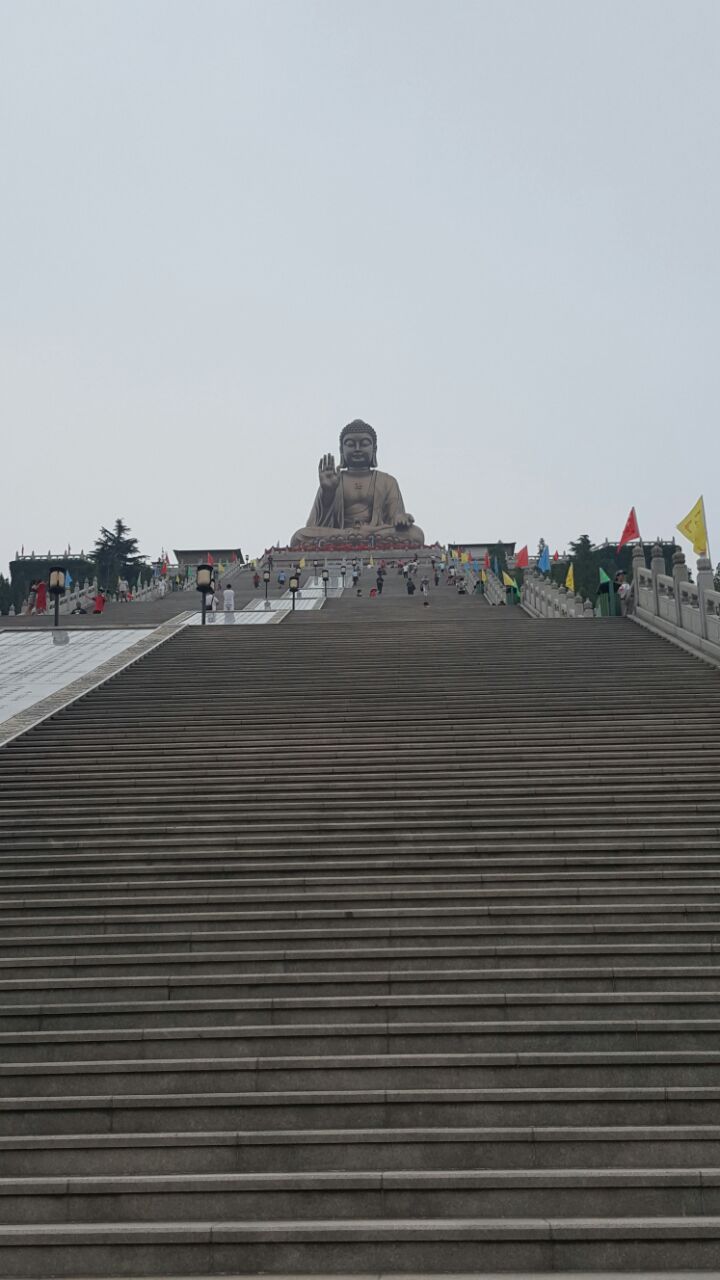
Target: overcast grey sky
(228, 227)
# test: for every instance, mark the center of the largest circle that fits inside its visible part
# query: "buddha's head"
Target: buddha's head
(358, 446)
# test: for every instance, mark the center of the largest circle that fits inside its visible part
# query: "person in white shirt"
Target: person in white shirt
(228, 599)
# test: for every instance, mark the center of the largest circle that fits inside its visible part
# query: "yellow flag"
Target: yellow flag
(693, 528)
(301, 562)
(371, 562)
(466, 557)
(483, 576)
(508, 581)
(570, 579)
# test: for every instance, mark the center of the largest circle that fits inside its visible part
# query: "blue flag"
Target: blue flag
(68, 578)
(496, 567)
(543, 563)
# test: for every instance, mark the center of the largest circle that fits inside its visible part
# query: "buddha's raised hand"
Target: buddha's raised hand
(329, 473)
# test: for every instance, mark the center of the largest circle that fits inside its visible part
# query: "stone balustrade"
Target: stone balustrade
(545, 599)
(494, 589)
(669, 604)
(687, 612)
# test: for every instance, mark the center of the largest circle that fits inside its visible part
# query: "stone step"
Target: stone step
(418, 815)
(691, 925)
(701, 906)
(34, 1048)
(517, 1069)
(340, 1195)
(417, 864)
(332, 901)
(534, 968)
(617, 1115)
(609, 998)
(329, 1247)
(611, 880)
(657, 792)
(562, 778)
(349, 1003)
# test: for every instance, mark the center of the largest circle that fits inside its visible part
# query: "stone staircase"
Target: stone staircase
(385, 940)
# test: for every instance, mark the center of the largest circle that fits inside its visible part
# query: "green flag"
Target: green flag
(603, 576)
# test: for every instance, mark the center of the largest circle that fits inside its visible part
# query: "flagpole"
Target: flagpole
(707, 535)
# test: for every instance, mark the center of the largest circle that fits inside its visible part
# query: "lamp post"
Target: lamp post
(325, 577)
(203, 582)
(315, 569)
(293, 585)
(56, 587)
(266, 580)
(343, 571)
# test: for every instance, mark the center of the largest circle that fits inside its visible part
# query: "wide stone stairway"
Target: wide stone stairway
(386, 939)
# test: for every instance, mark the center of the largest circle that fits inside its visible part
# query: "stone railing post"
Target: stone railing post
(578, 605)
(680, 574)
(705, 582)
(588, 611)
(638, 562)
(657, 566)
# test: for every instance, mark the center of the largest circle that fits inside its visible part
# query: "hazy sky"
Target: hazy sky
(228, 227)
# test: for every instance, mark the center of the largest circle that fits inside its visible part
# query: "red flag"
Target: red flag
(521, 558)
(486, 561)
(631, 530)
(556, 556)
(210, 559)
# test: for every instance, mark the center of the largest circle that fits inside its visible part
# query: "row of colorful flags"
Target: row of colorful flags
(693, 526)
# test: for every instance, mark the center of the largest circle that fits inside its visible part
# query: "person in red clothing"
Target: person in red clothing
(41, 598)
(99, 602)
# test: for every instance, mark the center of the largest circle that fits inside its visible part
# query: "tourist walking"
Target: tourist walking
(228, 599)
(624, 593)
(380, 583)
(410, 586)
(41, 597)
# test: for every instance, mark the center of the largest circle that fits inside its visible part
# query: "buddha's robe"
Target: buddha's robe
(385, 505)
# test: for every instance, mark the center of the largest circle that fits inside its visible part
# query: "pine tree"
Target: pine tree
(116, 555)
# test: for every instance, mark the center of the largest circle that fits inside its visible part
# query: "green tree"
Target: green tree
(7, 595)
(116, 555)
(497, 552)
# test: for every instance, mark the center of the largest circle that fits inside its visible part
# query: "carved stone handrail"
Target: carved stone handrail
(544, 599)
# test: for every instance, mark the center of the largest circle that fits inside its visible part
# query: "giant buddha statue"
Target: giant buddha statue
(357, 505)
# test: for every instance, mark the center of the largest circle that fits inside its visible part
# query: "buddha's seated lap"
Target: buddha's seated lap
(412, 536)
